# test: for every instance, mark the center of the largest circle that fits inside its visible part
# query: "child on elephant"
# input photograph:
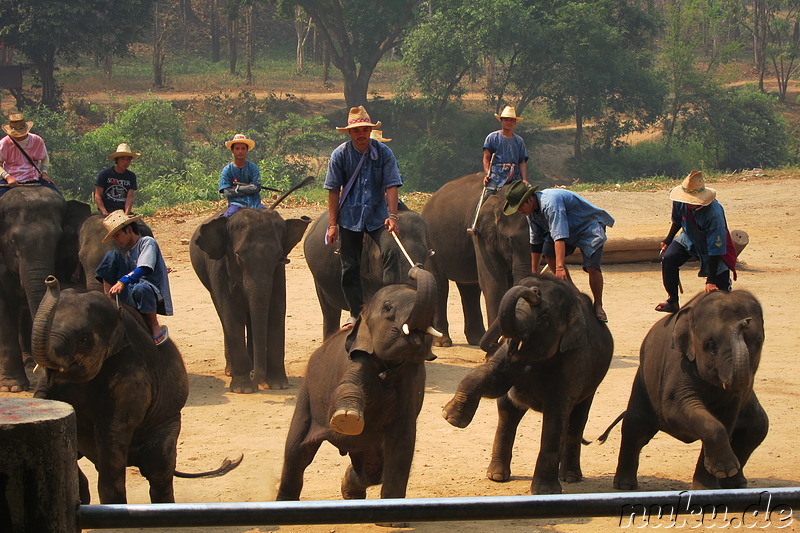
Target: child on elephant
(240, 181)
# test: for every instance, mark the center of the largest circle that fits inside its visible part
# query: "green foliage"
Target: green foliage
(629, 163)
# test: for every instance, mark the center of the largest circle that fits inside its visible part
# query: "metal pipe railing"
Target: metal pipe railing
(736, 506)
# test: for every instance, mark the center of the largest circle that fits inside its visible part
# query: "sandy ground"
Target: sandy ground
(451, 462)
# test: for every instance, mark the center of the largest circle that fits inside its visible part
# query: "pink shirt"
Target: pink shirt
(16, 164)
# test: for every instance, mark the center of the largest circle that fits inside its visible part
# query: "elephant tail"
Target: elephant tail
(602, 438)
(226, 466)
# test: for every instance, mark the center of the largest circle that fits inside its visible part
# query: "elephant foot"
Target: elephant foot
(545, 487)
(393, 524)
(461, 409)
(443, 342)
(277, 385)
(573, 475)
(498, 471)
(15, 384)
(474, 338)
(625, 483)
(242, 385)
(228, 369)
(721, 466)
(736, 482)
(348, 410)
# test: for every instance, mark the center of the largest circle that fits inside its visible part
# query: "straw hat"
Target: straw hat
(517, 194)
(116, 221)
(508, 112)
(124, 149)
(378, 136)
(17, 126)
(239, 138)
(693, 190)
(356, 118)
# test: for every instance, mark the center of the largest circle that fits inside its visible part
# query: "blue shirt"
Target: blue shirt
(364, 208)
(231, 175)
(508, 154)
(563, 215)
(704, 232)
(146, 253)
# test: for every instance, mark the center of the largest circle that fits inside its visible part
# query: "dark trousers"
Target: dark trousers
(351, 244)
(4, 188)
(674, 258)
(141, 294)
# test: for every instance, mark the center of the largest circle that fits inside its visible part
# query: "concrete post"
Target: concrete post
(38, 466)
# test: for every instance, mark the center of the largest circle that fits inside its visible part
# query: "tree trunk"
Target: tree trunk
(46, 67)
(248, 22)
(158, 47)
(578, 128)
(232, 48)
(214, 29)
(355, 86)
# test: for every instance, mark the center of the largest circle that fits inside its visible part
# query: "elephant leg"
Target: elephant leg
(749, 432)
(276, 336)
(703, 479)
(509, 415)
(331, 315)
(637, 430)
(12, 369)
(555, 424)
(570, 468)
(365, 470)
(157, 464)
(299, 450)
(473, 318)
(440, 322)
(347, 405)
(236, 351)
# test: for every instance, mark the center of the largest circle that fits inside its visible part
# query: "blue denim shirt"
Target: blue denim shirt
(506, 152)
(704, 232)
(146, 253)
(562, 214)
(231, 175)
(364, 208)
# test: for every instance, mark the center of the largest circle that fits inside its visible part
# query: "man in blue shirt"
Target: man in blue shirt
(561, 221)
(362, 183)
(705, 236)
(240, 181)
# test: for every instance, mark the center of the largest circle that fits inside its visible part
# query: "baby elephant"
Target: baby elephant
(391, 341)
(695, 381)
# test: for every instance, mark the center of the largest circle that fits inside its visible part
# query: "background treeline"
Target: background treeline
(601, 70)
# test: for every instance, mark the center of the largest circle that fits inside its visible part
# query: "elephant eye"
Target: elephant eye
(710, 346)
(387, 309)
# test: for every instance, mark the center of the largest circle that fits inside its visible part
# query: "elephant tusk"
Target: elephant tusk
(433, 332)
(36, 368)
(405, 329)
(724, 386)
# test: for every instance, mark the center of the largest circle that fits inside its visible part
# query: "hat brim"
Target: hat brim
(249, 142)
(704, 197)
(120, 154)
(498, 117)
(510, 209)
(126, 222)
(16, 133)
(344, 129)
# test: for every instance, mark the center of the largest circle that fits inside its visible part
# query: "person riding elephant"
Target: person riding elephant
(553, 358)
(392, 334)
(241, 261)
(489, 262)
(38, 238)
(695, 382)
(327, 280)
(23, 156)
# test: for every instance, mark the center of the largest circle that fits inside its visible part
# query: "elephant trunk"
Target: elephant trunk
(510, 326)
(421, 315)
(741, 357)
(258, 332)
(33, 281)
(43, 322)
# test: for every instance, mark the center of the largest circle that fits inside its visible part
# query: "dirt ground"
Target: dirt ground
(451, 462)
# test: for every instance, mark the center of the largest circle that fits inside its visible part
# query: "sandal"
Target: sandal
(601, 315)
(349, 323)
(667, 307)
(162, 337)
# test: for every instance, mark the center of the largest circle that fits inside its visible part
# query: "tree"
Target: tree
(783, 44)
(45, 30)
(358, 34)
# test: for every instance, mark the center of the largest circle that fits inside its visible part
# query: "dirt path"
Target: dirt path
(452, 462)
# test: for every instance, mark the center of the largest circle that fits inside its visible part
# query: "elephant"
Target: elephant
(695, 381)
(491, 261)
(38, 238)
(241, 260)
(392, 334)
(92, 249)
(553, 358)
(327, 272)
(126, 391)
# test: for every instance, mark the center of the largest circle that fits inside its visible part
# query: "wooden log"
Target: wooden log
(38, 466)
(645, 249)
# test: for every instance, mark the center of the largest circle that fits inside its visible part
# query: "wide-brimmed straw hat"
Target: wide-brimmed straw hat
(693, 190)
(356, 118)
(124, 149)
(378, 136)
(239, 138)
(116, 221)
(17, 126)
(516, 195)
(508, 112)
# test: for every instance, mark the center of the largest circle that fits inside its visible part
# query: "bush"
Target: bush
(628, 163)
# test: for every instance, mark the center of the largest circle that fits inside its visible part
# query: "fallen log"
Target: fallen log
(645, 249)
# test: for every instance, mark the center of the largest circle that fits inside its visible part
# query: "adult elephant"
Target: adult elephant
(38, 238)
(392, 330)
(241, 260)
(326, 267)
(496, 257)
(554, 357)
(92, 248)
(695, 382)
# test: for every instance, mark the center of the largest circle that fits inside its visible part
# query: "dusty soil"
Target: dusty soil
(451, 462)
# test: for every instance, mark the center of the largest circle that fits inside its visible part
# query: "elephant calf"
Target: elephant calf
(391, 337)
(695, 381)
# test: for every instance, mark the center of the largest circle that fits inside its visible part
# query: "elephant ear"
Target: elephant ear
(682, 333)
(119, 338)
(575, 334)
(295, 228)
(212, 237)
(360, 338)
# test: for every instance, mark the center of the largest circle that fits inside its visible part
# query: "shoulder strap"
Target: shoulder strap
(13, 140)
(352, 180)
